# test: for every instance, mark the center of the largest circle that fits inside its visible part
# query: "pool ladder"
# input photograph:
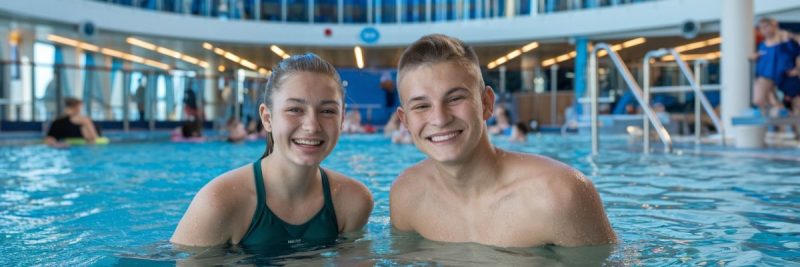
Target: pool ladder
(693, 77)
(643, 96)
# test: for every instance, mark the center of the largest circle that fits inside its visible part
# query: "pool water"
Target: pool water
(118, 205)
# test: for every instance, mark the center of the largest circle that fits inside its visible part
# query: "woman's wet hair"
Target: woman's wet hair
(308, 62)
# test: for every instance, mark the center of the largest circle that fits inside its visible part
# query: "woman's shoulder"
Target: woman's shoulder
(229, 189)
(352, 201)
(343, 185)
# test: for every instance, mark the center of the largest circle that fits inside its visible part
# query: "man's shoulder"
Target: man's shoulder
(535, 167)
(412, 177)
(554, 182)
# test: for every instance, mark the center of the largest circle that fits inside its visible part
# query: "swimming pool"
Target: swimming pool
(118, 205)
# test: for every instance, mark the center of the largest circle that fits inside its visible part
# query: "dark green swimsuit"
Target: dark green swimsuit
(267, 229)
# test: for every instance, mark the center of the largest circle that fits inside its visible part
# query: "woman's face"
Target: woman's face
(306, 117)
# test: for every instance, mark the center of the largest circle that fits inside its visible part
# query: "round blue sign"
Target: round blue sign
(370, 35)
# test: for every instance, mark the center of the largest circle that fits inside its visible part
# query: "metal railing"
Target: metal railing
(366, 11)
(633, 86)
(693, 78)
(112, 94)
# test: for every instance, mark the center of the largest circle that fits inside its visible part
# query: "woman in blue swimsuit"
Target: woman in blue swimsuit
(775, 62)
(284, 197)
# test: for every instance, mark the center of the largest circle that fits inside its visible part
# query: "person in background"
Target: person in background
(519, 132)
(387, 84)
(352, 122)
(775, 63)
(502, 122)
(141, 97)
(190, 105)
(236, 131)
(71, 125)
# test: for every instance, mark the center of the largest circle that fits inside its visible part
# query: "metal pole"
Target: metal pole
(285, 10)
(646, 88)
(502, 70)
(428, 11)
(646, 97)
(697, 107)
(236, 86)
(152, 87)
(33, 91)
(89, 92)
(310, 12)
(256, 10)
(634, 87)
(370, 10)
(553, 92)
(399, 10)
(378, 11)
(698, 93)
(126, 91)
(59, 93)
(593, 95)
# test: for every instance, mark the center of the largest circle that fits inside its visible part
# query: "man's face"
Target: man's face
(767, 29)
(444, 108)
(74, 109)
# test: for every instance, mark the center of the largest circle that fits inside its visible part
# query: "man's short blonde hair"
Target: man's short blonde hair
(437, 48)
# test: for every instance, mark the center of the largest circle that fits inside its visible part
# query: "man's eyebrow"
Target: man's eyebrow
(457, 90)
(298, 100)
(417, 98)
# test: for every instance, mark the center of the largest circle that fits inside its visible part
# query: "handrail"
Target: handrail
(677, 89)
(637, 92)
(694, 84)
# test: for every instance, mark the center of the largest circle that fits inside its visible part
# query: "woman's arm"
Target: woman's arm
(207, 221)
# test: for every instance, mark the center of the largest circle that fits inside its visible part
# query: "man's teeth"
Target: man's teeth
(440, 138)
(308, 142)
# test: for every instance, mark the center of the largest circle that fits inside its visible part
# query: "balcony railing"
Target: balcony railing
(366, 11)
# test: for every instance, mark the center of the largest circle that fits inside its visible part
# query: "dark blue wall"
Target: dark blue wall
(363, 88)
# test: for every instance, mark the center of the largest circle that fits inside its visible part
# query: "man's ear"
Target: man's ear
(266, 117)
(487, 100)
(402, 116)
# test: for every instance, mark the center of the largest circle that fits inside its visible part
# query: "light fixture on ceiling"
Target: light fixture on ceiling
(359, 57)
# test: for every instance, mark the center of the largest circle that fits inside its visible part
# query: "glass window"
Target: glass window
(388, 11)
(325, 11)
(355, 11)
(414, 11)
(271, 10)
(298, 10)
(524, 7)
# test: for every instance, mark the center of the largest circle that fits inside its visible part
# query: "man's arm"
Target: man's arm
(401, 202)
(579, 216)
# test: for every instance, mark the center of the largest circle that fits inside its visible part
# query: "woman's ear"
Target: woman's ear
(266, 117)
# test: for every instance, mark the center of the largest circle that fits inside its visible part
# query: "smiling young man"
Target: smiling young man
(467, 190)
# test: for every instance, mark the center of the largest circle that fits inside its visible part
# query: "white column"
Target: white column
(528, 64)
(737, 33)
(5, 84)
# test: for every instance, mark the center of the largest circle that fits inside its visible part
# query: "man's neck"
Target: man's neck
(476, 174)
